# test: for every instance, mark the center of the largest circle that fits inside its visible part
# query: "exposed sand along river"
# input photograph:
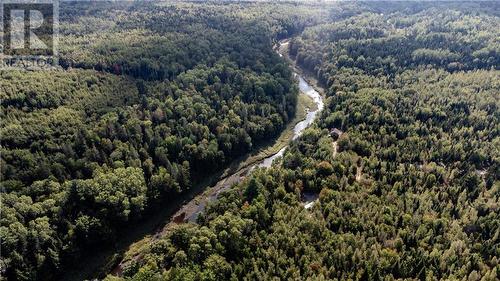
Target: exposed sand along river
(191, 214)
(191, 209)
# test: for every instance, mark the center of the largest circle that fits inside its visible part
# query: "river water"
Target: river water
(299, 128)
(191, 210)
(305, 88)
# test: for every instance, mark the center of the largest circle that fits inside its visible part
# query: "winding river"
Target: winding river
(190, 211)
(306, 89)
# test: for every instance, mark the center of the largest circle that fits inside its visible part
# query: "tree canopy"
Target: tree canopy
(408, 189)
(149, 100)
(153, 97)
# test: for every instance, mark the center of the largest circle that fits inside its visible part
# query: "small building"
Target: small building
(335, 133)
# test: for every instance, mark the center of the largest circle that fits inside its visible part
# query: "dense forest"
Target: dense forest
(152, 98)
(405, 159)
(149, 99)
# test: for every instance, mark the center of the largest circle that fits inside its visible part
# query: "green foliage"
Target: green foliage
(118, 194)
(153, 97)
(413, 190)
(150, 99)
(382, 43)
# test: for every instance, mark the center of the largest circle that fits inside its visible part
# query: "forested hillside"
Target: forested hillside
(151, 98)
(408, 183)
(382, 45)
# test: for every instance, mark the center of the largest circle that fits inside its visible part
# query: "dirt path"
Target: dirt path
(358, 173)
(335, 148)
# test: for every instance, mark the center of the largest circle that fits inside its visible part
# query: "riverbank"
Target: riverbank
(308, 76)
(156, 222)
(189, 210)
(306, 110)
